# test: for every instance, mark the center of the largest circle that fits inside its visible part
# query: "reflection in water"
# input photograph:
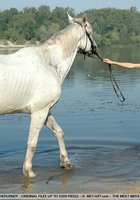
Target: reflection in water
(27, 184)
(102, 134)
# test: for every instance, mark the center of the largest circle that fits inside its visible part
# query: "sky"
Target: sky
(77, 5)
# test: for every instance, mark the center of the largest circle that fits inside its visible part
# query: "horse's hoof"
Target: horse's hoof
(29, 174)
(66, 165)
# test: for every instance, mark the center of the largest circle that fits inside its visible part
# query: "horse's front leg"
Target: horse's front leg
(37, 121)
(59, 134)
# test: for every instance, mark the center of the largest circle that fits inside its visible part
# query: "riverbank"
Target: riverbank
(9, 44)
(12, 46)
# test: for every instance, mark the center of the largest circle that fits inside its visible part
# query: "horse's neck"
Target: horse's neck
(63, 49)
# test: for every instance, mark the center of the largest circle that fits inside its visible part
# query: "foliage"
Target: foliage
(116, 26)
(110, 26)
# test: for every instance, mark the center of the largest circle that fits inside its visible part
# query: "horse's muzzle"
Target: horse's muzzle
(90, 53)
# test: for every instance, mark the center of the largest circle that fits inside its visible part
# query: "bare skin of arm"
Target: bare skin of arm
(122, 64)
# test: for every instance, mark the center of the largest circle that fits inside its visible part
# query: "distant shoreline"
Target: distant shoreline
(12, 45)
(9, 44)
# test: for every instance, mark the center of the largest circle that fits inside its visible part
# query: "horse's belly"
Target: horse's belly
(14, 92)
(26, 90)
(10, 104)
(14, 102)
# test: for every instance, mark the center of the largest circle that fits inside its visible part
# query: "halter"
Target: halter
(93, 48)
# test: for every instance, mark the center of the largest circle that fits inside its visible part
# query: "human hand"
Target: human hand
(107, 61)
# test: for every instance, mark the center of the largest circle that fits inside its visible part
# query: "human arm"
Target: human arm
(122, 64)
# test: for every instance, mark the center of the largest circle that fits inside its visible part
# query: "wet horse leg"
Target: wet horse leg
(59, 134)
(37, 121)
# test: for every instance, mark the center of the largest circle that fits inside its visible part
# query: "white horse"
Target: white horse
(31, 79)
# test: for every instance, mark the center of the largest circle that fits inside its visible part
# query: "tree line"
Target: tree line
(111, 26)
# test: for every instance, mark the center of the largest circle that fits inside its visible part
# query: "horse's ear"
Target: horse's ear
(84, 19)
(71, 20)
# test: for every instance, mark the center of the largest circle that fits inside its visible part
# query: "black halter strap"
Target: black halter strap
(93, 48)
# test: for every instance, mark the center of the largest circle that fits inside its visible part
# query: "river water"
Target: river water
(102, 134)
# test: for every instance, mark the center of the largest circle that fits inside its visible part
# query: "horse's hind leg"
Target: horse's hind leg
(37, 121)
(59, 134)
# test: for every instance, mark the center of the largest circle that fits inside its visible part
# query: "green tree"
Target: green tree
(110, 25)
(6, 18)
(54, 28)
(41, 33)
(42, 16)
(25, 25)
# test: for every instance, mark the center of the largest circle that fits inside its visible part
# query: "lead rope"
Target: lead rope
(115, 86)
(114, 83)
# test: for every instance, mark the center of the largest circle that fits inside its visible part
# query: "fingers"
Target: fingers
(107, 61)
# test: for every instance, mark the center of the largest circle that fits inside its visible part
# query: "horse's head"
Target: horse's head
(87, 43)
